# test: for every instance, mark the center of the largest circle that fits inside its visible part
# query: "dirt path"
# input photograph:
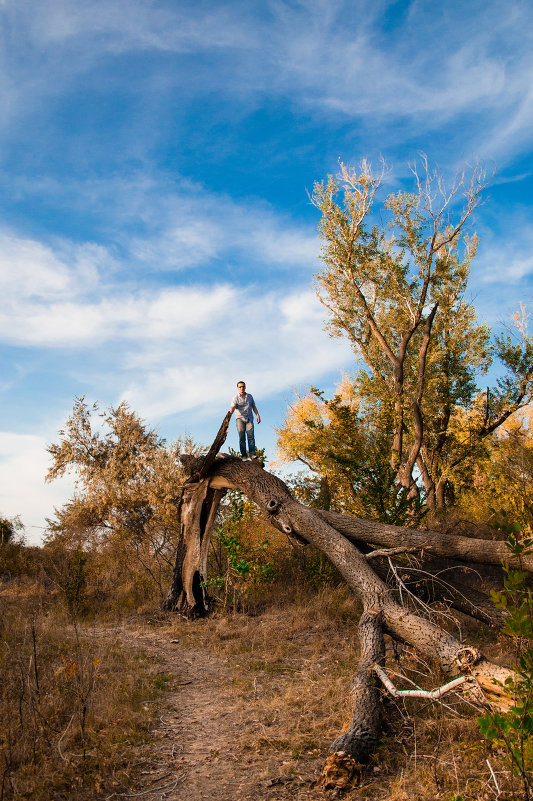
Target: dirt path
(201, 744)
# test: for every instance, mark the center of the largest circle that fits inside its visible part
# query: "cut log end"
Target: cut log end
(340, 772)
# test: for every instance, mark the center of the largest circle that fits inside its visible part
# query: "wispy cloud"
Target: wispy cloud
(191, 229)
(32, 270)
(361, 60)
(165, 333)
(275, 339)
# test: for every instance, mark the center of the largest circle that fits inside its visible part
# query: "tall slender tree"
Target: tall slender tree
(395, 286)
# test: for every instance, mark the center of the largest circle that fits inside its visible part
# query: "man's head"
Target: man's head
(241, 386)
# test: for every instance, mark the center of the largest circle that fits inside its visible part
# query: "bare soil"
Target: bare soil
(252, 704)
(205, 743)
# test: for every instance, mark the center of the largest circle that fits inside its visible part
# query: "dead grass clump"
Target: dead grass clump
(292, 667)
(72, 705)
(102, 584)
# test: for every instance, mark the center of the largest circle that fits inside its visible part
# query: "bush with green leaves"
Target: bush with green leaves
(511, 731)
(239, 550)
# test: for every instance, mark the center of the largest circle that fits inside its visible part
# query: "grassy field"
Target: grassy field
(73, 707)
(82, 697)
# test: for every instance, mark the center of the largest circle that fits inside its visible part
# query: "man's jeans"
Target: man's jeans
(246, 429)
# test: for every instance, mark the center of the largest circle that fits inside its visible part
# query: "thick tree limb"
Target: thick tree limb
(205, 462)
(453, 546)
(327, 531)
(363, 735)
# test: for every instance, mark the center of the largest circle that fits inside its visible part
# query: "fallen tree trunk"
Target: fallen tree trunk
(467, 549)
(446, 591)
(293, 518)
(334, 535)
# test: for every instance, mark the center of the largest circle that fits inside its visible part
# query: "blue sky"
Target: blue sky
(157, 242)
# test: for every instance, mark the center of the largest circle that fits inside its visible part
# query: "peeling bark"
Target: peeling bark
(335, 536)
(197, 510)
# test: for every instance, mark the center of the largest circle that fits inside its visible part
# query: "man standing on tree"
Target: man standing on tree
(244, 406)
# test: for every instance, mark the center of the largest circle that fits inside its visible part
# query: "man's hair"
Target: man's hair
(241, 382)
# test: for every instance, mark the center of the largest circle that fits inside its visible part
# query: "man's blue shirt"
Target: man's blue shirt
(244, 406)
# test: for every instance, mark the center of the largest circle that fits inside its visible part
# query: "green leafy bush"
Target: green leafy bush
(511, 732)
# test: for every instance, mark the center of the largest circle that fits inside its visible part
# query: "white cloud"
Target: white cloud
(32, 270)
(517, 266)
(136, 24)
(193, 226)
(23, 466)
(69, 295)
(275, 339)
(163, 314)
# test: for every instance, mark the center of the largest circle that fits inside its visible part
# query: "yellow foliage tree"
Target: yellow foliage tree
(345, 448)
(397, 290)
(503, 478)
(127, 485)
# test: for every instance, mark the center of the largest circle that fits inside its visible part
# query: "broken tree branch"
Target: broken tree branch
(427, 694)
(333, 534)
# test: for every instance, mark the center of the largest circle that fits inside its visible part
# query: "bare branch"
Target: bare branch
(432, 695)
(395, 551)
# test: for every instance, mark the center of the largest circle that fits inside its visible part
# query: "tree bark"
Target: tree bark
(363, 735)
(197, 510)
(453, 546)
(334, 535)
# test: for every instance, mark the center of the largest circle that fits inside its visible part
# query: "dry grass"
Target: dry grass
(77, 708)
(74, 707)
(292, 667)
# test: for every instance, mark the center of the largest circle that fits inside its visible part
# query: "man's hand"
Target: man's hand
(258, 418)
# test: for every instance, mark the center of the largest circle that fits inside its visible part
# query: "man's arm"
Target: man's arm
(254, 407)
